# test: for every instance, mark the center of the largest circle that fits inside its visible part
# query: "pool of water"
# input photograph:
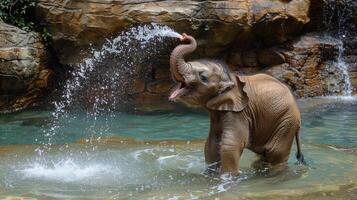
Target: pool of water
(160, 156)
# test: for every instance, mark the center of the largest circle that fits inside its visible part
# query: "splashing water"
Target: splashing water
(144, 35)
(65, 171)
(99, 83)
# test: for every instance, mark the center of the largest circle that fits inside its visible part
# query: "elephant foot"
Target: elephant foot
(267, 169)
(260, 164)
(213, 169)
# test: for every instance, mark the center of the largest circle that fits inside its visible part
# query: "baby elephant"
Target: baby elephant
(256, 112)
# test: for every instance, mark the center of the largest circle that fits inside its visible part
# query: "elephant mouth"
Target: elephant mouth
(178, 91)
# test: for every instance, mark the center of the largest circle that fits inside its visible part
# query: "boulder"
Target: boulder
(23, 72)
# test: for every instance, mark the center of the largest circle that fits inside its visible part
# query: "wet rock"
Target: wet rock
(218, 25)
(161, 86)
(11, 85)
(307, 64)
(258, 58)
(310, 68)
(270, 57)
(147, 101)
(352, 72)
(137, 86)
(235, 59)
(353, 78)
(162, 73)
(23, 74)
(249, 59)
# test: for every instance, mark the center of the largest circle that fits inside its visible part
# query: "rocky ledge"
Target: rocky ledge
(23, 70)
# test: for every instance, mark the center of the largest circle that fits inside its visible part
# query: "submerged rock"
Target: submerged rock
(23, 72)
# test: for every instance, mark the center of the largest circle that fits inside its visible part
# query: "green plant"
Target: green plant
(46, 36)
(16, 12)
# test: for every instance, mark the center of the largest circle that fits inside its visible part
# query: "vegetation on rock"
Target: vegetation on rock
(18, 13)
(15, 12)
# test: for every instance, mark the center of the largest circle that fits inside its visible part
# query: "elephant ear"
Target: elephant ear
(234, 99)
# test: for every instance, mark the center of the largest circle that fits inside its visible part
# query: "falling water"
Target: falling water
(338, 20)
(98, 83)
(342, 65)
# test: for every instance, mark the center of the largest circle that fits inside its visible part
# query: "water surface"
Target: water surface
(160, 156)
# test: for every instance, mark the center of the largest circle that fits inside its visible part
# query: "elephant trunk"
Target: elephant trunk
(178, 67)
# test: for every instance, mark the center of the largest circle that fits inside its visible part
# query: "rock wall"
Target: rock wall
(252, 36)
(307, 64)
(218, 25)
(309, 67)
(23, 70)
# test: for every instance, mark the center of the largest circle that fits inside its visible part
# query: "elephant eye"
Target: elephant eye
(203, 77)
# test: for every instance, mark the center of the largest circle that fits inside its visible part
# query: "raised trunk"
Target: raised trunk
(178, 67)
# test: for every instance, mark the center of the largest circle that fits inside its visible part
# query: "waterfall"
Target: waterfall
(338, 19)
(343, 67)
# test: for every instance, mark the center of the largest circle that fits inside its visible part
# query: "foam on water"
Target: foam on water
(65, 171)
(349, 98)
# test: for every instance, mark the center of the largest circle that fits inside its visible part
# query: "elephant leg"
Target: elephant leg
(259, 163)
(212, 156)
(230, 160)
(278, 150)
(231, 150)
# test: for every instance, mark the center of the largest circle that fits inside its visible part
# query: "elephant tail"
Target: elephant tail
(299, 155)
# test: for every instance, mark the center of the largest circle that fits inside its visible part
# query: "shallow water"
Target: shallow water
(160, 156)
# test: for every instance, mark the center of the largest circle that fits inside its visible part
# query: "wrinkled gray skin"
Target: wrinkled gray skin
(256, 112)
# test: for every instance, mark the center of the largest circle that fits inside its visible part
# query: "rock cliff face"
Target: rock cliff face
(218, 25)
(309, 67)
(23, 73)
(250, 35)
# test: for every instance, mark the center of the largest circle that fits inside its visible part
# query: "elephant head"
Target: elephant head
(205, 83)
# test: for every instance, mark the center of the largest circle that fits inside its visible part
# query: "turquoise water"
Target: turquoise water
(332, 123)
(28, 127)
(95, 157)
